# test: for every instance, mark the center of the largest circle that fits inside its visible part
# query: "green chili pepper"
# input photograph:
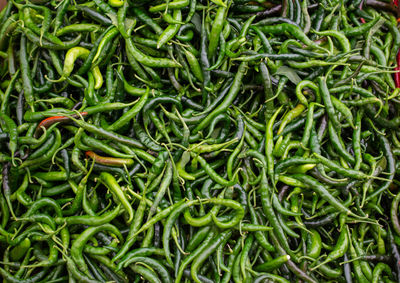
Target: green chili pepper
(114, 187)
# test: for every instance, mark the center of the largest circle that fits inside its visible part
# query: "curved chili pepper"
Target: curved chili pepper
(47, 122)
(111, 161)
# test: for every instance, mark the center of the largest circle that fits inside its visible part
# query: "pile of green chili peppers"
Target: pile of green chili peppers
(199, 141)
